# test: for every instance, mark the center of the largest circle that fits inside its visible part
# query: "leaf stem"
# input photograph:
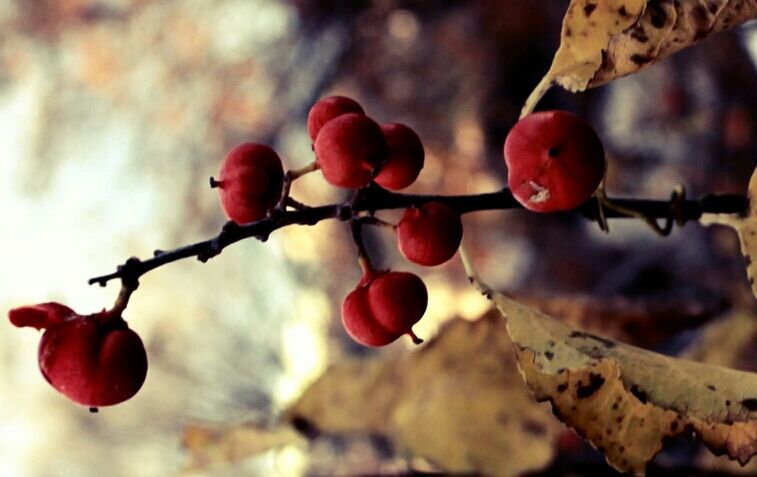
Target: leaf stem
(472, 274)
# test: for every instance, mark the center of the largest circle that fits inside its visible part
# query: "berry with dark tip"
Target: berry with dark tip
(555, 161)
(384, 306)
(250, 182)
(94, 360)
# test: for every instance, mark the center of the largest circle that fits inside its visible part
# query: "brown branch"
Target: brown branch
(373, 198)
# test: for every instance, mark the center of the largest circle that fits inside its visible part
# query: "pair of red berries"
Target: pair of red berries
(385, 305)
(351, 149)
(94, 360)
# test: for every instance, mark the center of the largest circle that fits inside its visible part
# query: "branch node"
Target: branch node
(229, 227)
(344, 212)
(276, 213)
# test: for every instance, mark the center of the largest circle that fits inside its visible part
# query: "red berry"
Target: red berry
(327, 109)
(94, 360)
(384, 306)
(404, 158)
(348, 148)
(555, 161)
(250, 182)
(430, 234)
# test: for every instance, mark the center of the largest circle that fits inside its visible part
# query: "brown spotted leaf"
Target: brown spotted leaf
(729, 341)
(605, 39)
(746, 228)
(458, 402)
(627, 401)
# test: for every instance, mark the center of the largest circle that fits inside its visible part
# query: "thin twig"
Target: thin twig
(373, 198)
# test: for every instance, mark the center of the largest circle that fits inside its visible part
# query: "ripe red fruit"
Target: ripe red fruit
(404, 158)
(384, 306)
(94, 360)
(327, 109)
(555, 161)
(348, 149)
(250, 182)
(430, 234)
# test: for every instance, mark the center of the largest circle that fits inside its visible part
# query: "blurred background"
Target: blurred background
(113, 114)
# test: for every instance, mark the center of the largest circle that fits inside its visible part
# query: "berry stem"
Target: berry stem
(370, 220)
(122, 301)
(373, 198)
(356, 226)
(601, 196)
(296, 205)
(289, 177)
(297, 173)
(414, 337)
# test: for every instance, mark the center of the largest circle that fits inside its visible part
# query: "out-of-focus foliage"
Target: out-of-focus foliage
(209, 446)
(457, 403)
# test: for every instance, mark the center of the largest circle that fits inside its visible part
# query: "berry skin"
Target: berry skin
(384, 306)
(430, 234)
(327, 109)
(404, 158)
(94, 360)
(555, 161)
(250, 182)
(348, 149)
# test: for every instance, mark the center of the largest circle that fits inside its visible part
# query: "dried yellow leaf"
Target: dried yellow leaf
(605, 39)
(626, 400)
(746, 228)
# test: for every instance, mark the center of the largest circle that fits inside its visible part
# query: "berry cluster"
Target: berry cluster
(352, 151)
(555, 162)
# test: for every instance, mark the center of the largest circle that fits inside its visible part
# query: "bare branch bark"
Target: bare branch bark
(373, 199)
